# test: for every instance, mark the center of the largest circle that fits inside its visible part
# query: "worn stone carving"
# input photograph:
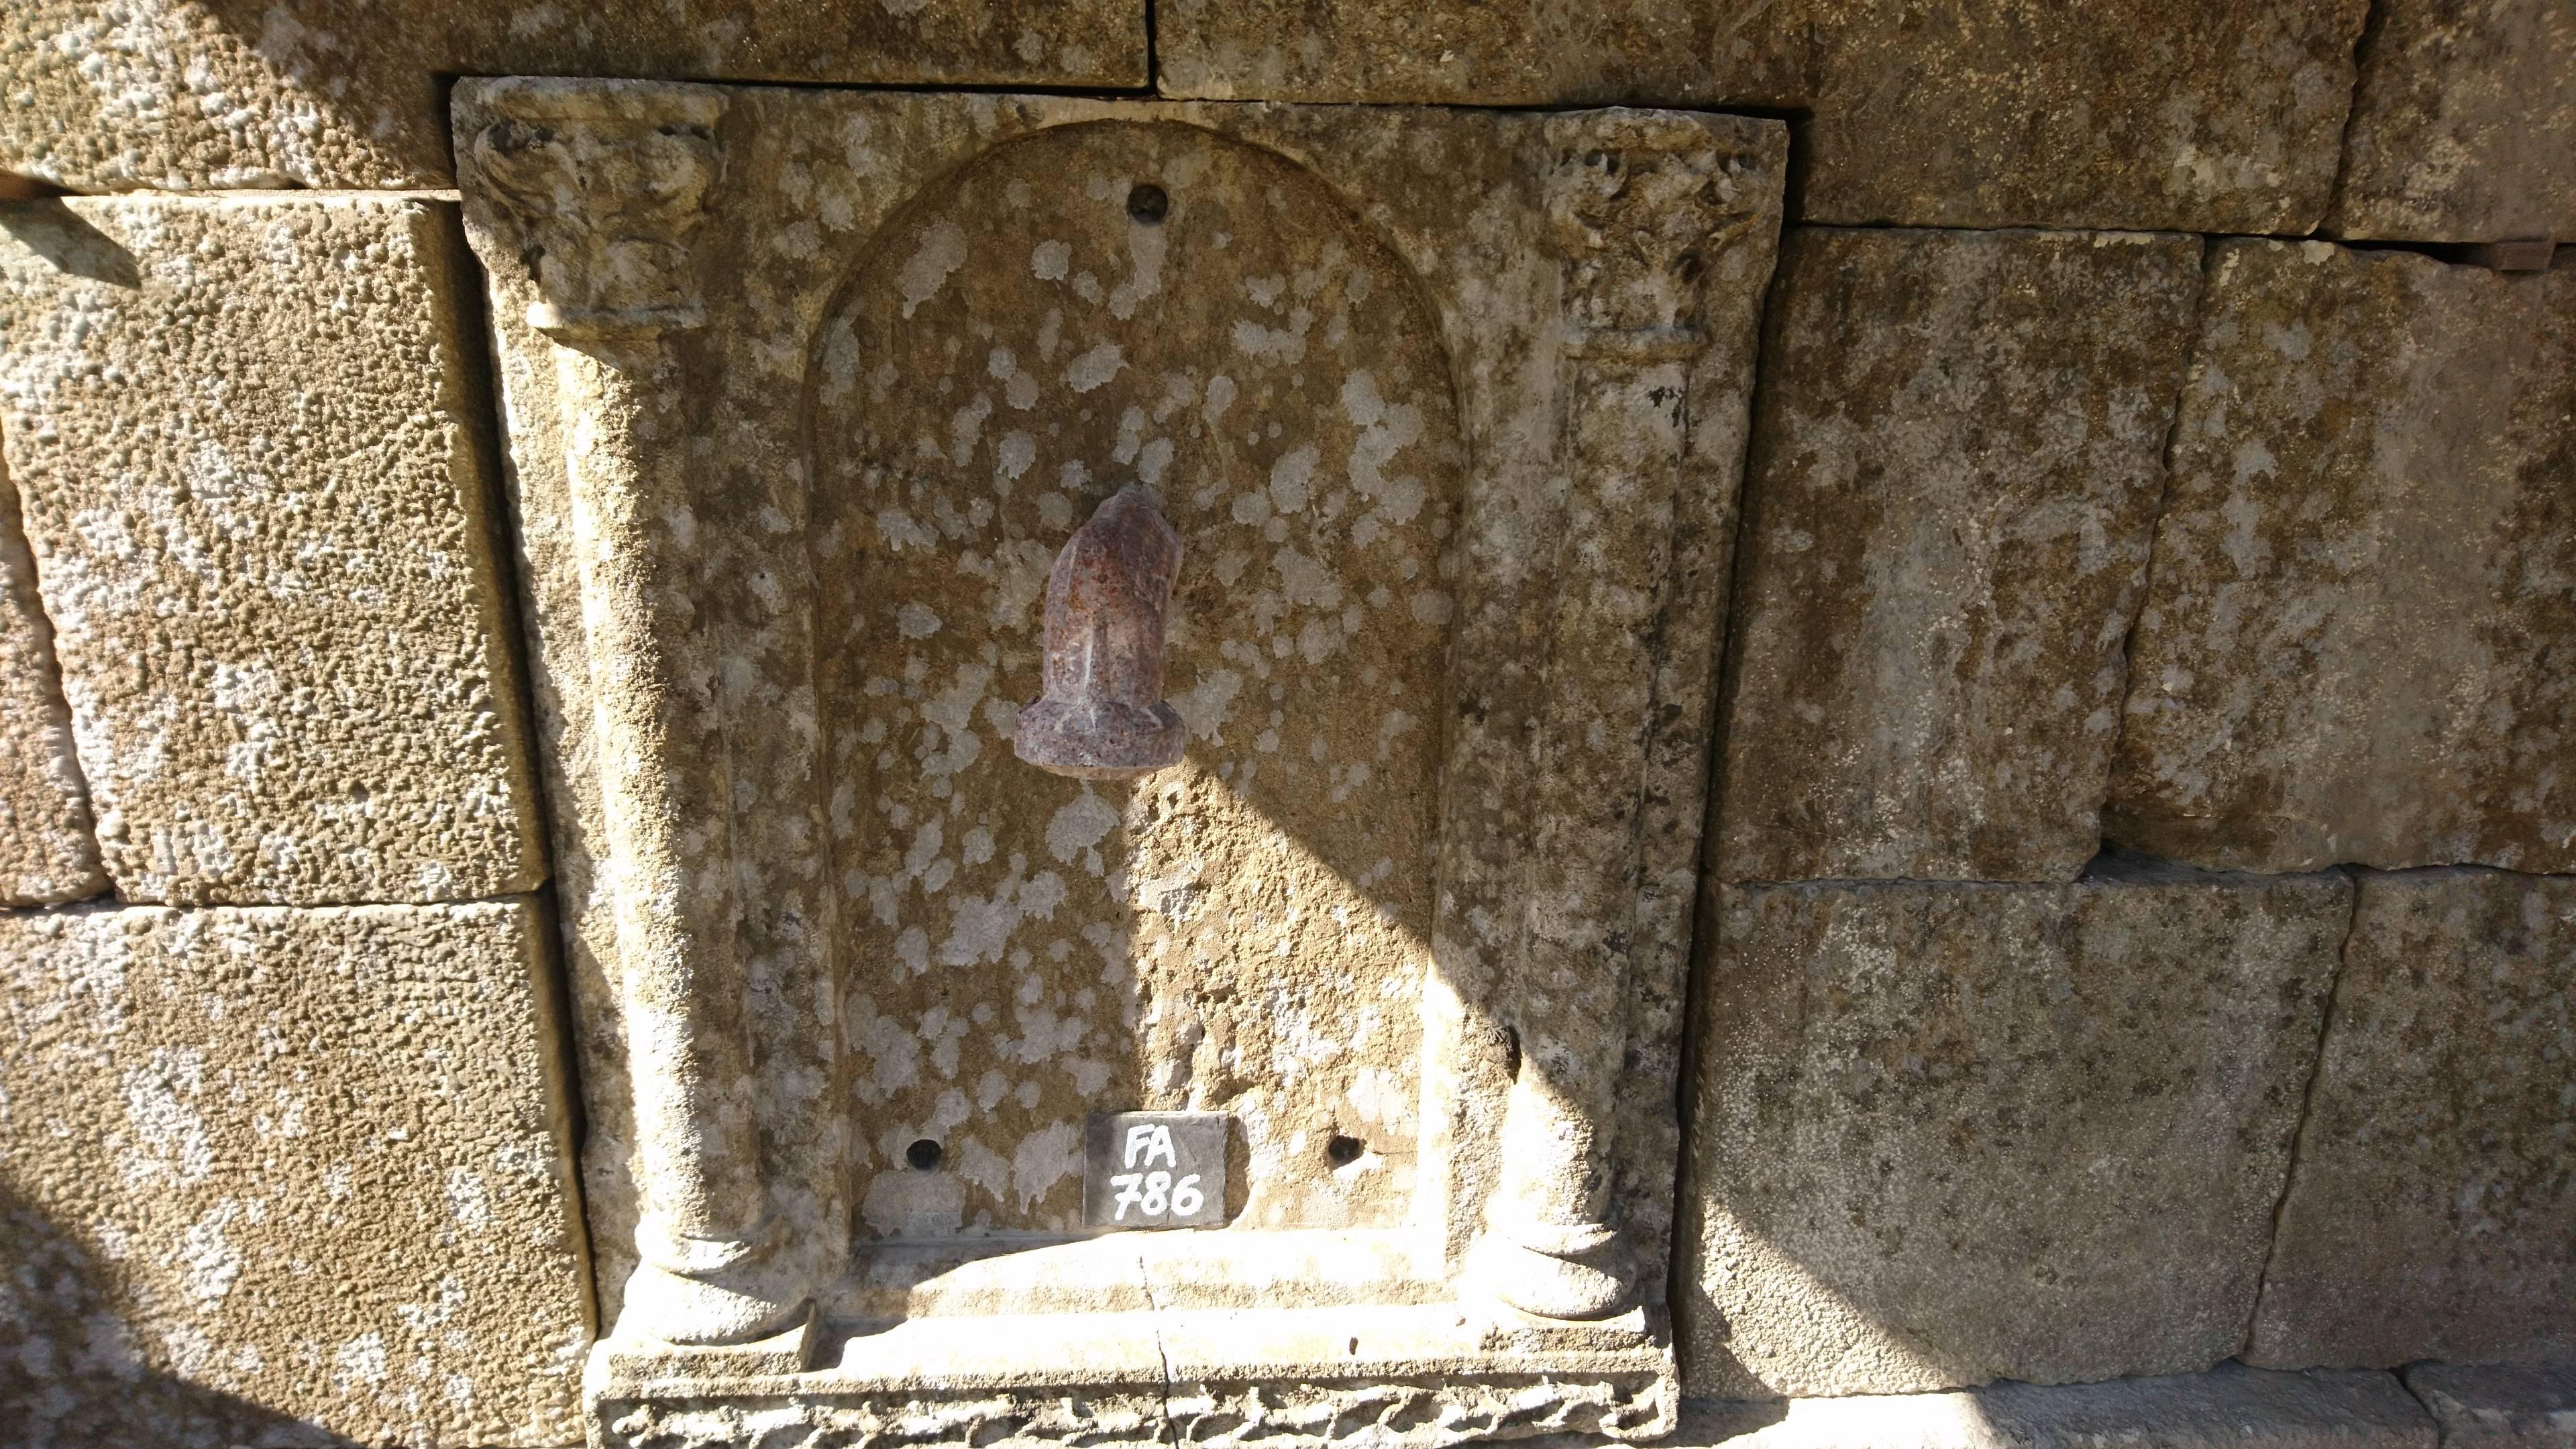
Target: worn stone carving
(600, 189)
(939, 330)
(1638, 206)
(1103, 716)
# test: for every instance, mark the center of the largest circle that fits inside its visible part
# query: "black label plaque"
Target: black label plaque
(1153, 1170)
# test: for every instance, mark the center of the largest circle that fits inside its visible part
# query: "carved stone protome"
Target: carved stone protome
(1103, 715)
(600, 186)
(1636, 202)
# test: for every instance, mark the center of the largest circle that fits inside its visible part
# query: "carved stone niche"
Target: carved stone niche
(804, 390)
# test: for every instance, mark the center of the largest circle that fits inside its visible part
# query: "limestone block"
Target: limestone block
(2229, 1407)
(2207, 115)
(1958, 453)
(2514, 1406)
(2463, 124)
(2352, 649)
(272, 1175)
(46, 853)
(187, 94)
(1951, 1133)
(2432, 1214)
(245, 434)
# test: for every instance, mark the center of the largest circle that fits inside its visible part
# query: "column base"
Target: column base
(710, 1291)
(1578, 1272)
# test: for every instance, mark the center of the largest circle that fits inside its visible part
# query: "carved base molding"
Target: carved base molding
(1404, 1378)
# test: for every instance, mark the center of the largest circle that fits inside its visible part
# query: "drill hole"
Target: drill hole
(924, 1155)
(1344, 1150)
(1148, 203)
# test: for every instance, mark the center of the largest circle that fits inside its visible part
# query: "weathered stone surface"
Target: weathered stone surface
(2200, 116)
(244, 435)
(919, 369)
(2432, 1211)
(2229, 1407)
(2354, 645)
(2513, 1406)
(1957, 457)
(273, 1175)
(46, 853)
(2463, 124)
(186, 94)
(1952, 1133)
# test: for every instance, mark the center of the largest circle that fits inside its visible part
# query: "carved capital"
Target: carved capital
(1642, 201)
(601, 185)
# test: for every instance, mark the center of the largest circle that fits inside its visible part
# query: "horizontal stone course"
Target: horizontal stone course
(2432, 1212)
(2356, 641)
(1945, 1134)
(272, 1175)
(2499, 1406)
(1957, 458)
(188, 94)
(2190, 115)
(256, 487)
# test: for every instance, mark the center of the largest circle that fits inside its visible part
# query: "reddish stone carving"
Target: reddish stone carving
(1103, 716)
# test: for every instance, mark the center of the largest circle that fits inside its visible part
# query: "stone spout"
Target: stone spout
(1102, 715)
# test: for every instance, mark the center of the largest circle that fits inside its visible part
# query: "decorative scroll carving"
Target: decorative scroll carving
(601, 186)
(1638, 205)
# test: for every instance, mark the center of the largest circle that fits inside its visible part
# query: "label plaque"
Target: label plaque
(1153, 1170)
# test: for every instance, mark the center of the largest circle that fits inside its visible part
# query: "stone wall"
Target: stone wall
(2136, 926)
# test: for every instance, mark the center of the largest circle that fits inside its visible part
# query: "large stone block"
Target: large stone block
(2463, 124)
(275, 1175)
(2207, 115)
(2355, 642)
(2229, 1407)
(2432, 1212)
(46, 853)
(1946, 1134)
(1957, 457)
(245, 434)
(185, 94)
(2509, 1406)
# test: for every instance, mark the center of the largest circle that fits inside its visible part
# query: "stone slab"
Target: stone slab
(278, 1175)
(2198, 116)
(2432, 1213)
(46, 852)
(1945, 1134)
(2463, 124)
(189, 94)
(1958, 454)
(2228, 1407)
(2354, 645)
(2504, 1406)
(247, 435)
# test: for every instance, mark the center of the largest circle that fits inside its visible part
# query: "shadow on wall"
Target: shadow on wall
(71, 1371)
(55, 232)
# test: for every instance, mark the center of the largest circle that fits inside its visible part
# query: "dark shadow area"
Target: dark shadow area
(51, 230)
(72, 1373)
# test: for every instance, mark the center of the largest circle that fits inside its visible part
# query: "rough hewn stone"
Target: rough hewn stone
(2511, 1406)
(2355, 642)
(244, 435)
(2209, 115)
(2463, 124)
(186, 94)
(1951, 1133)
(1957, 457)
(274, 1175)
(2229, 1407)
(46, 853)
(2432, 1211)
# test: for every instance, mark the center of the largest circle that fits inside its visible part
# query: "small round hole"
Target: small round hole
(1344, 1150)
(1148, 203)
(924, 1155)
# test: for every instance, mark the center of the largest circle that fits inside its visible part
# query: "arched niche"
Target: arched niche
(1084, 307)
